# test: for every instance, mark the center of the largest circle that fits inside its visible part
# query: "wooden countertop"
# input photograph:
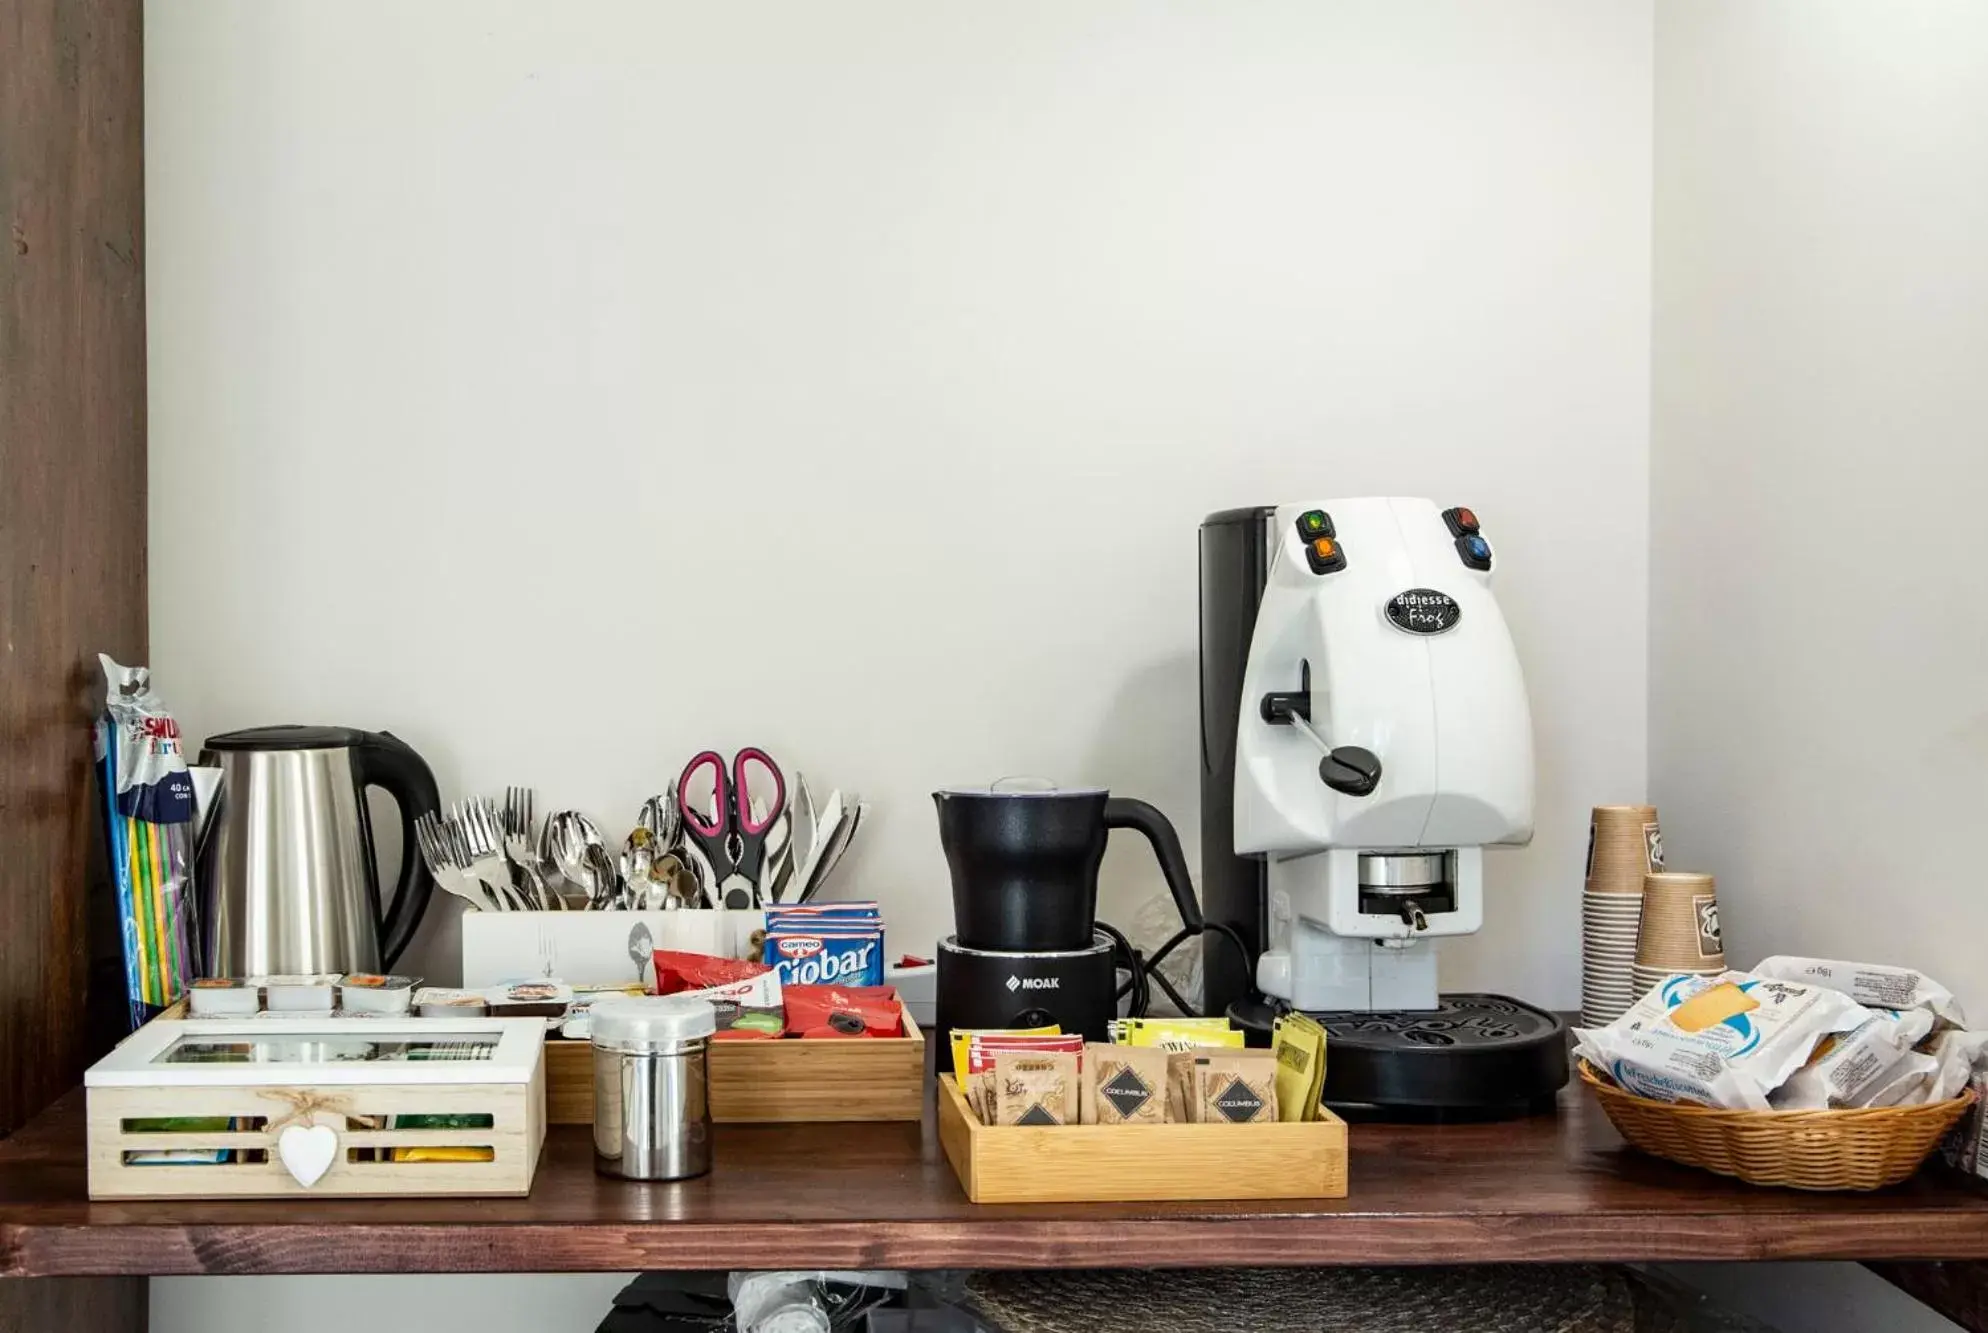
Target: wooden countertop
(1553, 1188)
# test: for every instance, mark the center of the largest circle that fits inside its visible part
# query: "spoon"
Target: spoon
(670, 885)
(650, 873)
(642, 951)
(663, 820)
(564, 844)
(685, 888)
(610, 893)
(698, 893)
(580, 854)
(557, 881)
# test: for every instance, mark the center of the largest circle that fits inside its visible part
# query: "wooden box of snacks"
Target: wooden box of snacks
(286, 1108)
(766, 1082)
(1107, 1163)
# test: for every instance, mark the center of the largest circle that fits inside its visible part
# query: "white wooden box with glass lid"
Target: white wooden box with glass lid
(279, 1108)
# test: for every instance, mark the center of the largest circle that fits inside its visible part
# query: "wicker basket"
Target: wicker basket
(1804, 1150)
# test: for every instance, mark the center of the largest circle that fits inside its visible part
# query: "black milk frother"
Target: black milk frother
(1030, 951)
(1025, 861)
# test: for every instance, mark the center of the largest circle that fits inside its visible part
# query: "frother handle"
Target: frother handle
(1123, 812)
(390, 763)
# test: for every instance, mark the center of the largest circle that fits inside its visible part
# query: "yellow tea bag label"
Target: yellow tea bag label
(1299, 1043)
(1179, 1034)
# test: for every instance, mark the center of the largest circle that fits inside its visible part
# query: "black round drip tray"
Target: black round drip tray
(1484, 1054)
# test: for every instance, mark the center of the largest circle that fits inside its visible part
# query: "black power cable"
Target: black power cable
(1125, 957)
(1143, 970)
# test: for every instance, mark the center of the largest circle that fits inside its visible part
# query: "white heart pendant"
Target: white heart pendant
(307, 1151)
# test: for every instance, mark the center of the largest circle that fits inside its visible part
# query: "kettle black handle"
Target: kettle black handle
(386, 761)
(1124, 812)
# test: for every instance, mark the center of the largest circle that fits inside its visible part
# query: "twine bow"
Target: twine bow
(304, 1104)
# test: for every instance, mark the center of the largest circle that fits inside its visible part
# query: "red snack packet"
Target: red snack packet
(679, 971)
(843, 1011)
(745, 994)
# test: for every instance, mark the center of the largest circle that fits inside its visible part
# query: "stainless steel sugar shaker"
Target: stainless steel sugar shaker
(652, 1104)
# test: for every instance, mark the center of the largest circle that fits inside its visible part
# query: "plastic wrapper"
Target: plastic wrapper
(1877, 985)
(807, 1301)
(149, 825)
(1966, 1146)
(1958, 1055)
(843, 1011)
(1727, 1040)
(1904, 1084)
(1847, 1067)
(746, 995)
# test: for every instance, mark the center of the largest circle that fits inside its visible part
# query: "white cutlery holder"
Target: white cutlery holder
(596, 948)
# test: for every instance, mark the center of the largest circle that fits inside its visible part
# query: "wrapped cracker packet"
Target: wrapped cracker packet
(1846, 1067)
(1875, 985)
(1958, 1055)
(1904, 1084)
(1727, 1040)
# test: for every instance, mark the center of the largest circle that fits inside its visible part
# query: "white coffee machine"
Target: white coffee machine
(1366, 736)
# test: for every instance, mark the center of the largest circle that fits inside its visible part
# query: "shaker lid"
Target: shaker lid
(639, 1022)
(287, 738)
(1022, 786)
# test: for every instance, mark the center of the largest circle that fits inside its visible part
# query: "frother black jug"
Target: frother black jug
(1025, 860)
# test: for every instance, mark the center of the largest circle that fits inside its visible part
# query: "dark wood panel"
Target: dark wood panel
(72, 509)
(74, 1305)
(1552, 1188)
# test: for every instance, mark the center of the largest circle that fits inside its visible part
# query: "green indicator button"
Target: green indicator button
(1315, 523)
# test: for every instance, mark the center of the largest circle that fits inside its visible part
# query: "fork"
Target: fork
(482, 848)
(431, 835)
(522, 848)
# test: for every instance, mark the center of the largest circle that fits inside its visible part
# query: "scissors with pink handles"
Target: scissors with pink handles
(731, 832)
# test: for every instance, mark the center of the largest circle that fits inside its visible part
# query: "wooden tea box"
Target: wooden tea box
(274, 1108)
(765, 1082)
(1110, 1163)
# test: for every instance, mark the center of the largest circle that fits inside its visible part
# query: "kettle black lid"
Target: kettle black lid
(290, 737)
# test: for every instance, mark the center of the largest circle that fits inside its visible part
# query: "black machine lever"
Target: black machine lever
(1348, 769)
(1279, 705)
(1351, 770)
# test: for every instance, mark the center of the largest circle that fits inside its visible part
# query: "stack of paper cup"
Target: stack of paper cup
(1624, 846)
(1679, 931)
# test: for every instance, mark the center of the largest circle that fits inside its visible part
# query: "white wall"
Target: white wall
(567, 387)
(1818, 731)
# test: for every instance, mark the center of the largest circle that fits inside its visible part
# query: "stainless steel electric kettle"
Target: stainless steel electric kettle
(287, 876)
